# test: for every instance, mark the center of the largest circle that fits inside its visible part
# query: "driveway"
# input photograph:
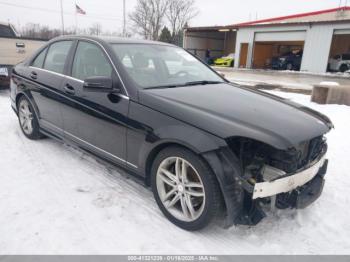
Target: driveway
(283, 79)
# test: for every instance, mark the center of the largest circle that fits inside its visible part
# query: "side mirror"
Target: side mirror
(100, 84)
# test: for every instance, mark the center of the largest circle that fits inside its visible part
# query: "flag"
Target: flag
(78, 10)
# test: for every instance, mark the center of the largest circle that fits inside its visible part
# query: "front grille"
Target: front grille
(303, 154)
(317, 146)
(314, 148)
(254, 155)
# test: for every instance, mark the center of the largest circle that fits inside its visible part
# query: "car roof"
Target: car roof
(111, 40)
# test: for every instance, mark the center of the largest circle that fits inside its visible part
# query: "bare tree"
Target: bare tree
(38, 31)
(95, 29)
(30, 30)
(148, 17)
(179, 13)
(47, 33)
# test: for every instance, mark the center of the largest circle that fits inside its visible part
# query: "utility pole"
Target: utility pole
(62, 20)
(124, 19)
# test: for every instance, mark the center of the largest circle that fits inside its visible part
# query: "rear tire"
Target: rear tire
(343, 68)
(289, 66)
(190, 198)
(28, 120)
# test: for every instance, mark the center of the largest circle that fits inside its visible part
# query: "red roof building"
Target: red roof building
(318, 36)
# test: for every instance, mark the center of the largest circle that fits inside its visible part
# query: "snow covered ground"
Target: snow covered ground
(57, 200)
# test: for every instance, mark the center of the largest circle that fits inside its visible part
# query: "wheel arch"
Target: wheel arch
(155, 151)
(18, 97)
(28, 97)
(218, 157)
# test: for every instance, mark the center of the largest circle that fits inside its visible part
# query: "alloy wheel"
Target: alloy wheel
(25, 117)
(180, 189)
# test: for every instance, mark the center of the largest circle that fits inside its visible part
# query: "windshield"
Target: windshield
(230, 56)
(157, 66)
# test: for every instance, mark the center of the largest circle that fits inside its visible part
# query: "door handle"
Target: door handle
(68, 89)
(33, 75)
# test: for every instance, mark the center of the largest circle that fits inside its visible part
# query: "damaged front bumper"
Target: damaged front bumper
(290, 182)
(298, 191)
(245, 199)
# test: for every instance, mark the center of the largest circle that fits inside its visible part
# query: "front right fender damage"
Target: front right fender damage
(236, 191)
(252, 174)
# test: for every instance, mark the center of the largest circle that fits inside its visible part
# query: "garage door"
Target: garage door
(280, 36)
(342, 32)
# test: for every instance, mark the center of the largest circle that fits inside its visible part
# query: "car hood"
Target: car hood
(226, 110)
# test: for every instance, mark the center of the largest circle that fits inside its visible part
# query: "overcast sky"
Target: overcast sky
(109, 13)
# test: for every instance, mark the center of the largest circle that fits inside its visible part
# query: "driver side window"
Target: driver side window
(90, 61)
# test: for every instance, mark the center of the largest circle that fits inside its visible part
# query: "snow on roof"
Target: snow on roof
(6, 30)
(334, 15)
(284, 19)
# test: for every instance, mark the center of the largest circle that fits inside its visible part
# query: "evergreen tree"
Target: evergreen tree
(165, 35)
(177, 39)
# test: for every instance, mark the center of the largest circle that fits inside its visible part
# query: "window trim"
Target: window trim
(69, 60)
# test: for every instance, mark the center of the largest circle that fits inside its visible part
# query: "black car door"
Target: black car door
(96, 120)
(46, 74)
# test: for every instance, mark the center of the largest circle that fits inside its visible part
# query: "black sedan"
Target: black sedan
(4, 76)
(206, 147)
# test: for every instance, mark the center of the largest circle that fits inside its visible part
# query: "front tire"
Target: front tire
(28, 120)
(185, 188)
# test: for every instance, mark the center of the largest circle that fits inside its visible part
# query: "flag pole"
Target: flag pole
(124, 19)
(76, 18)
(62, 19)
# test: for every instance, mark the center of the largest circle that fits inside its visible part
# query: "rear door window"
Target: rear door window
(39, 60)
(56, 56)
(346, 57)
